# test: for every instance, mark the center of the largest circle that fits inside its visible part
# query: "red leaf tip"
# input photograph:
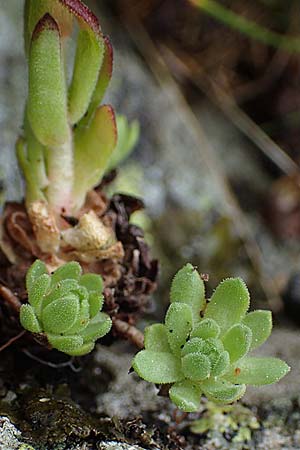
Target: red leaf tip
(81, 11)
(47, 22)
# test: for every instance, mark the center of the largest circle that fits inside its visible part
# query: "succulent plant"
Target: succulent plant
(202, 348)
(65, 307)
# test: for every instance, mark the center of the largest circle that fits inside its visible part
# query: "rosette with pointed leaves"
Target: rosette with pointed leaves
(65, 307)
(202, 347)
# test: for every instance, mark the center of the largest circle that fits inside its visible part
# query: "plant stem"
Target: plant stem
(60, 175)
(248, 27)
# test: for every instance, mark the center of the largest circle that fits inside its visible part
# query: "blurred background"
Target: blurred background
(215, 86)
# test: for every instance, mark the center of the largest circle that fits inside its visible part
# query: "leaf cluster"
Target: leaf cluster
(202, 348)
(65, 307)
(68, 138)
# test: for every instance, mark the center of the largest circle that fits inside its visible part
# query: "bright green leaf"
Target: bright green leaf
(258, 371)
(104, 77)
(237, 341)
(156, 338)
(37, 269)
(93, 147)
(186, 395)
(188, 287)
(195, 345)
(65, 343)
(70, 270)
(83, 350)
(158, 367)
(39, 289)
(229, 303)
(221, 391)
(260, 322)
(96, 302)
(221, 364)
(88, 60)
(47, 101)
(29, 320)
(128, 135)
(98, 327)
(60, 315)
(92, 282)
(207, 328)
(196, 366)
(179, 325)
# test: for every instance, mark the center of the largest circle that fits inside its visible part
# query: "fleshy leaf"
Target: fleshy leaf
(83, 350)
(70, 270)
(38, 291)
(186, 395)
(228, 304)
(65, 343)
(88, 60)
(260, 323)
(96, 302)
(61, 314)
(92, 282)
(196, 366)
(29, 320)
(221, 391)
(178, 322)
(33, 190)
(128, 135)
(195, 345)
(221, 364)
(83, 318)
(37, 269)
(98, 327)
(187, 287)
(93, 147)
(158, 367)
(207, 328)
(61, 289)
(47, 100)
(258, 371)
(35, 9)
(237, 341)
(104, 77)
(156, 338)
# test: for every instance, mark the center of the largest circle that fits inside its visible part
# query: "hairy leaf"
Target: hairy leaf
(229, 303)
(237, 341)
(157, 367)
(28, 319)
(88, 60)
(260, 323)
(37, 269)
(178, 322)
(38, 291)
(47, 100)
(258, 371)
(98, 327)
(70, 270)
(93, 147)
(221, 391)
(186, 395)
(207, 328)
(156, 338)
(65, 343)
(187, 287)
(60, 315)
(196, 366)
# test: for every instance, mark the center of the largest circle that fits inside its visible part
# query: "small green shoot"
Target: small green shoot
(202, 348)
(65, 307)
